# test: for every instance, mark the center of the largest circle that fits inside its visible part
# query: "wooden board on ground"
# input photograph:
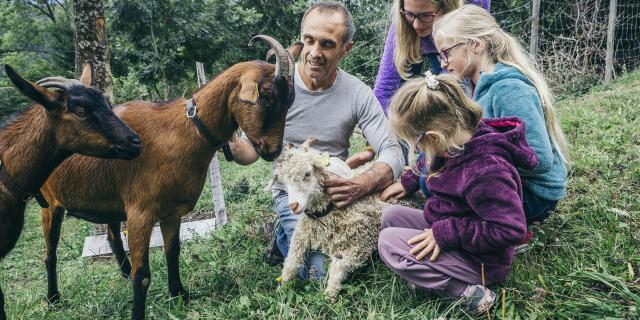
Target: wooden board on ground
(99, 246)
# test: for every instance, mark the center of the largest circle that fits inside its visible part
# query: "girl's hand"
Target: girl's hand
(395, 191)
(427, 244)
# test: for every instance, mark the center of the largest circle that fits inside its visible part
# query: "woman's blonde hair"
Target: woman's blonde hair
(445, 111)
(472, 24)
(407, 51)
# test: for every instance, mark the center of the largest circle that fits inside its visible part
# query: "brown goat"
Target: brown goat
(75, 119)
(164, 183)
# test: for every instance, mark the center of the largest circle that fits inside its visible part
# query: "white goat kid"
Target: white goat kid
(347, 235)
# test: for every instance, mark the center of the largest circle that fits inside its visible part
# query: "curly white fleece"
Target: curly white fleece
(348, 235)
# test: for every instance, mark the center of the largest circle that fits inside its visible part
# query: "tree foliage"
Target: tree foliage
(154, 44)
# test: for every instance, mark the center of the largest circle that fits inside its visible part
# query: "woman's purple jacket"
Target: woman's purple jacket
(476, 206)
(388, 80)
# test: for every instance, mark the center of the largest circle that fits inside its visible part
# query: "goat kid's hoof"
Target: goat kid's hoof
(281, 283)
(331, 296)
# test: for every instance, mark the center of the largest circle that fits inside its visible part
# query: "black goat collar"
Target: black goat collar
(315, 215)
(24, 195)
(204, 131)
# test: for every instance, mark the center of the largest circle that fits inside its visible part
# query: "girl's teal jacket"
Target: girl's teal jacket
(507, 92)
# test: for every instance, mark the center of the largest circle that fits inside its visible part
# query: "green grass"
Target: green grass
(586, 257)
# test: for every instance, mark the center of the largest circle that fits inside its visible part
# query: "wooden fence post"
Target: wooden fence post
(611, 34)
(217, 193)
(535, 27)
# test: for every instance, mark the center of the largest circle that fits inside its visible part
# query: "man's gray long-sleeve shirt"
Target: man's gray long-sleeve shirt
(331, 115)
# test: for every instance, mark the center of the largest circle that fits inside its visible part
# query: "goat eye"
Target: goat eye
(80, 112)
(307, 175)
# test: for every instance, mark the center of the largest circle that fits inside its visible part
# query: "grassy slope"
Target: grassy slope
(586, 257)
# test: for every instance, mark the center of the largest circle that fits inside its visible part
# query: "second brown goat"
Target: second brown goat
(164, 182)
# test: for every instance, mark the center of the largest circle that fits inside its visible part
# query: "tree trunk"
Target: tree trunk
(91, 43)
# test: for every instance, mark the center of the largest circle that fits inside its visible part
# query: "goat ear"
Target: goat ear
(248, 91)
(37, 93)
(295, 49)
(87, 74)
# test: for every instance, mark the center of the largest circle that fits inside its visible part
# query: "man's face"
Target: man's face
(322, 35)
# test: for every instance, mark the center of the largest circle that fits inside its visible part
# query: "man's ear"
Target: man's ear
(346, 48)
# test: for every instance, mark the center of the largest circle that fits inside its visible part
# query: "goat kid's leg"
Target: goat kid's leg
(297, 253)
(338, 271)
(115, 242)
(139, 237)
(171, 236)
(51, 224)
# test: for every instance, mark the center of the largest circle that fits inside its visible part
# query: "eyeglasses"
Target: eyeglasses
(424, 17)
(444, 54)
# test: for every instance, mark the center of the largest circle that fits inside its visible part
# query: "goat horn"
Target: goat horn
(284, 61)
(58, 82)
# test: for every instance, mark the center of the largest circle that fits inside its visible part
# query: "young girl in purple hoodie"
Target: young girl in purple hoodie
(474, 217)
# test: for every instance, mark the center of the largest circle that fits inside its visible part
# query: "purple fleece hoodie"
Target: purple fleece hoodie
(477, 196)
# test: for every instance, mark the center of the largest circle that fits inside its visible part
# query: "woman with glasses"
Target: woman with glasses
(408, 52)
(409, 49)
(507, 83)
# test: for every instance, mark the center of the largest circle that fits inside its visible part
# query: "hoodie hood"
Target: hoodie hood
(503, 137)
(500, 72)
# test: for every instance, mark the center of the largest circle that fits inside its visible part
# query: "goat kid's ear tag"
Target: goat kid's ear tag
(324, 160)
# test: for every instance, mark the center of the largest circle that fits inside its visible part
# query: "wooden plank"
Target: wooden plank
(217, 192)
(99, 246)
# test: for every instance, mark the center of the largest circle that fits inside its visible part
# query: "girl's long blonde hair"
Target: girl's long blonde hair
(407, 51)
(472, 24)
(446, 112)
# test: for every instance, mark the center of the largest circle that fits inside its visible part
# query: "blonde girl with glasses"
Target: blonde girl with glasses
(507, 83)
(409, 49)
(474, 218)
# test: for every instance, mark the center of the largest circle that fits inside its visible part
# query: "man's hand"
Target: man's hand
(395, 191)
(344, 192)
(242, 150)
(427, 244)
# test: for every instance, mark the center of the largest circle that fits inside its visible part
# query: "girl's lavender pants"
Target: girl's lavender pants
(448, 276)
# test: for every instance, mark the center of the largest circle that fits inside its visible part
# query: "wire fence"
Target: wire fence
(572, 44)
(572, 39)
